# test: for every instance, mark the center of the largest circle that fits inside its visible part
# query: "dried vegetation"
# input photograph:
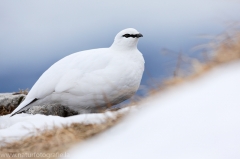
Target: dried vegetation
(223, 49)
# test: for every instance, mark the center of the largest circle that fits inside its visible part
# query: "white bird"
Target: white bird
(91, 80)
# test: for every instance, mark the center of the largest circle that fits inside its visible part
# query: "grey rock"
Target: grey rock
(53, 109)
(9, 101)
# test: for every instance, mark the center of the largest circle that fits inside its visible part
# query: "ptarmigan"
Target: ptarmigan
(91, 80)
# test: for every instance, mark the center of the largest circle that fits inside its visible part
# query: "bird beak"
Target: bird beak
(139, 35)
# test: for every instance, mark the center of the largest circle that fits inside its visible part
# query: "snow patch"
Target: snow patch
(198, 119)
(22, 125)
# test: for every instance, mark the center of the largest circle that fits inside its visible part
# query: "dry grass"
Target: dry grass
(226, 49)
(56, 140)
(223, 49)
(21, 91)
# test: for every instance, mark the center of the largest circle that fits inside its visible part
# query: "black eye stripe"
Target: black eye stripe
(132, 35)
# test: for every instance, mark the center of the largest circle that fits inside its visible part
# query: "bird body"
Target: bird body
(90, 80)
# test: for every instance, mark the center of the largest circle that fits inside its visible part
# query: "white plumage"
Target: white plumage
(90, 80)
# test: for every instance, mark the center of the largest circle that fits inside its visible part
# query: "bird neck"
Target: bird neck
(124, 45)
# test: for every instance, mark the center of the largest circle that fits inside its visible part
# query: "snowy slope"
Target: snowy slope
(23, 125)
(196, 120)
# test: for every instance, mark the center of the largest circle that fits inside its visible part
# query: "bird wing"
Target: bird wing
(83, 72)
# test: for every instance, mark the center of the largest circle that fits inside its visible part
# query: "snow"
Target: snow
(23, 125)
(198, 119)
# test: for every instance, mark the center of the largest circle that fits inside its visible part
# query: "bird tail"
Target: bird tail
(25, 103)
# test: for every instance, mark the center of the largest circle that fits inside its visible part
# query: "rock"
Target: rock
(9, 101)
(53, 109)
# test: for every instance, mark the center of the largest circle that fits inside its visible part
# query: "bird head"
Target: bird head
(126, 39)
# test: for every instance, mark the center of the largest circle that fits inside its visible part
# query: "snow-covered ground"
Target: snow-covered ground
(23, 125)
(199, 119)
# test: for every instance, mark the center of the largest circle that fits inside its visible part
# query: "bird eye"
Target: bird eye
(126, 35)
